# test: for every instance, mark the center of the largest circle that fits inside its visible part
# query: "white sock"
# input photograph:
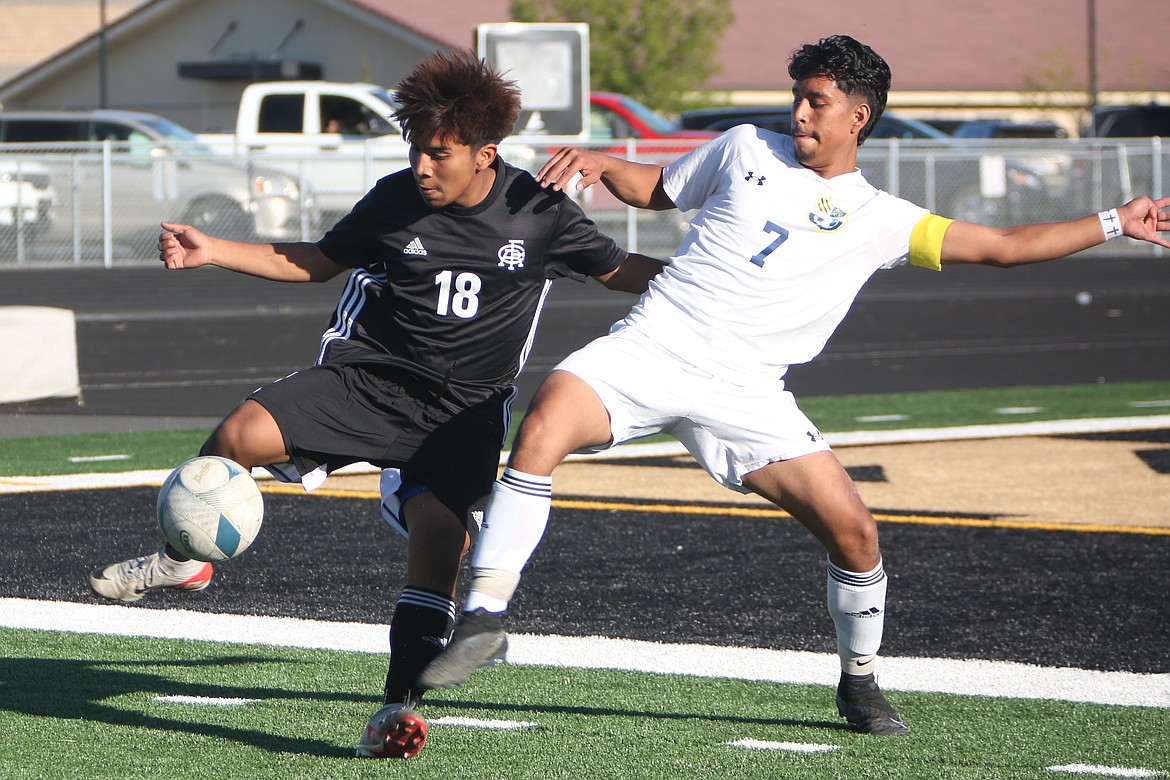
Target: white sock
(857, 604)
(174, 566)
(513, 525)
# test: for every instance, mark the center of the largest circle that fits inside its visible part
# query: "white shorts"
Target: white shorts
(731, 429)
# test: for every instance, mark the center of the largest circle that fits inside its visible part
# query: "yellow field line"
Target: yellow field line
(978, 522)
(327, 493)
(765, 512)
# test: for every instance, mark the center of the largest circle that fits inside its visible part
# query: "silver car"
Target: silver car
(126, 171)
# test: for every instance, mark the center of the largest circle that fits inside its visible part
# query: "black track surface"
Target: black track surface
(194, 343)
(1090, 600)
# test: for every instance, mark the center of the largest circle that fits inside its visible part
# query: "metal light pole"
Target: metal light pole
(1092, 66)
(102, 92)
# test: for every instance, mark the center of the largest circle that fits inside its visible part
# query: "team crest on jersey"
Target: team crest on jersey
(511, 254)
(826, 217)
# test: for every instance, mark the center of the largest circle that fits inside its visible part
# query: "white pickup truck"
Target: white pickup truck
(337, 138)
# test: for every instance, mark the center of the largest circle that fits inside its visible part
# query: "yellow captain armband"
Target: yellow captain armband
(926, 241)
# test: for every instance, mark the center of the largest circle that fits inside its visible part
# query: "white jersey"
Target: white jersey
(772, 261)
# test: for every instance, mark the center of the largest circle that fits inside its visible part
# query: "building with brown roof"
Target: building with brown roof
(189, 60)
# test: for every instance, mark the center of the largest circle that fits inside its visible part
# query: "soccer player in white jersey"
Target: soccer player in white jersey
(788, 230)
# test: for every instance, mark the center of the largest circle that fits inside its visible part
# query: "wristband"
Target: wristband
(1110, 223)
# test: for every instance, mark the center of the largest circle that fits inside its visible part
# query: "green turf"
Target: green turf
(75, 454)
(74, 705)
(163, 450)
(946, 408)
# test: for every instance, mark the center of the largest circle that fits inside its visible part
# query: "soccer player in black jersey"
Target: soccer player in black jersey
(449, 265)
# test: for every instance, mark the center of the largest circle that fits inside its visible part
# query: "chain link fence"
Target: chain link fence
(101, 204)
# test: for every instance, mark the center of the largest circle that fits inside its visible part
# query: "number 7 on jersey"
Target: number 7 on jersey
(781, 237)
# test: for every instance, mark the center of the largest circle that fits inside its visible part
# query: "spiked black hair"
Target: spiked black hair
(857, 69)
(456, 95)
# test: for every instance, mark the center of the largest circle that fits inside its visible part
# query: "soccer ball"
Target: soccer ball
(210, 508)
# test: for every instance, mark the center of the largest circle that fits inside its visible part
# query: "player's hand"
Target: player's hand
(1146, 219)
(569, 162)
(182, 246)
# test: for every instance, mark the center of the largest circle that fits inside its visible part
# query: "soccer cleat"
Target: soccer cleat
(860, 701)
(478, 640)
(395, 731)
(130, 580)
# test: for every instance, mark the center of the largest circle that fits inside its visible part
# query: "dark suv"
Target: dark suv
(1123, 165)
(1131, 121)
(964, 186)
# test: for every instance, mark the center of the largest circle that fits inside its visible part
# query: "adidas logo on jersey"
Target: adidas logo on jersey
(415, 247)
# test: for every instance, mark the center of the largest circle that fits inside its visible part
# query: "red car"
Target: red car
(618, 117)
(614, 119)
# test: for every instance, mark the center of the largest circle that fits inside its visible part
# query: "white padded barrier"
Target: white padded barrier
(38, 354)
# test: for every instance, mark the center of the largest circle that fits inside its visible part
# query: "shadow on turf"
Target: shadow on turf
(74, 689)
(513, 709)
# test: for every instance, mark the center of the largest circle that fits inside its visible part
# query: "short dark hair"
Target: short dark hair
(857, 69)
(457, 95)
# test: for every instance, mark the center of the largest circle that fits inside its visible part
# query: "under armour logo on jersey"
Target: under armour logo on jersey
(814, 435)
(751, 175)
(511, 254)
(826, 217)
(415, 247)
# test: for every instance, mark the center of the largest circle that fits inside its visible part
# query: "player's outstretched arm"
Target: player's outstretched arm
(635, 184)
(633, 275)
(1142, 218)
(182, 246)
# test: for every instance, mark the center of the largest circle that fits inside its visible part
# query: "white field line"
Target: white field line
(1104, 771)
(787, 747)
(935, 675)
(154, 478)
(205, 701)
(483, 723)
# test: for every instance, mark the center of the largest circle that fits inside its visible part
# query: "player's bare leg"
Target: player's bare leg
(425, 613)
(817, 491)
(565, 415)
(422, 622)
(249, 436)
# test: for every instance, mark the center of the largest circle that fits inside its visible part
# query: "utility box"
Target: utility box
(38, 356)
(550, 64)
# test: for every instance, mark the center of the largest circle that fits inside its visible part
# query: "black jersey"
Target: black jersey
(453, 295)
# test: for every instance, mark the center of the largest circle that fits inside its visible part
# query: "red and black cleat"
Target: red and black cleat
(395, 731)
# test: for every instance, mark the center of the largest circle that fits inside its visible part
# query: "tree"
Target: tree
(656, 51)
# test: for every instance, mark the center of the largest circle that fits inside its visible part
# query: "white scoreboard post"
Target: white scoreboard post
(550, 64)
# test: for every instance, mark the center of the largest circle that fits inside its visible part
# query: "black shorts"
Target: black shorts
(333, 415)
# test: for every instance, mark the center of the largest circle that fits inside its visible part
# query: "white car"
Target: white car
(27, 198)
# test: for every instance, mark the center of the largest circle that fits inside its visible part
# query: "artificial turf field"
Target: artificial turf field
(88, 704)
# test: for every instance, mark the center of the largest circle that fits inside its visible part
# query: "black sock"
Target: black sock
(421, 625)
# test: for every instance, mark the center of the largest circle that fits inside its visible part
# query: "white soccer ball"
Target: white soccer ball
(210, 508)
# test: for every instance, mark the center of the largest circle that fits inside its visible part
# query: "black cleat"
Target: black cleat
(478, 640)
(860, 701)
